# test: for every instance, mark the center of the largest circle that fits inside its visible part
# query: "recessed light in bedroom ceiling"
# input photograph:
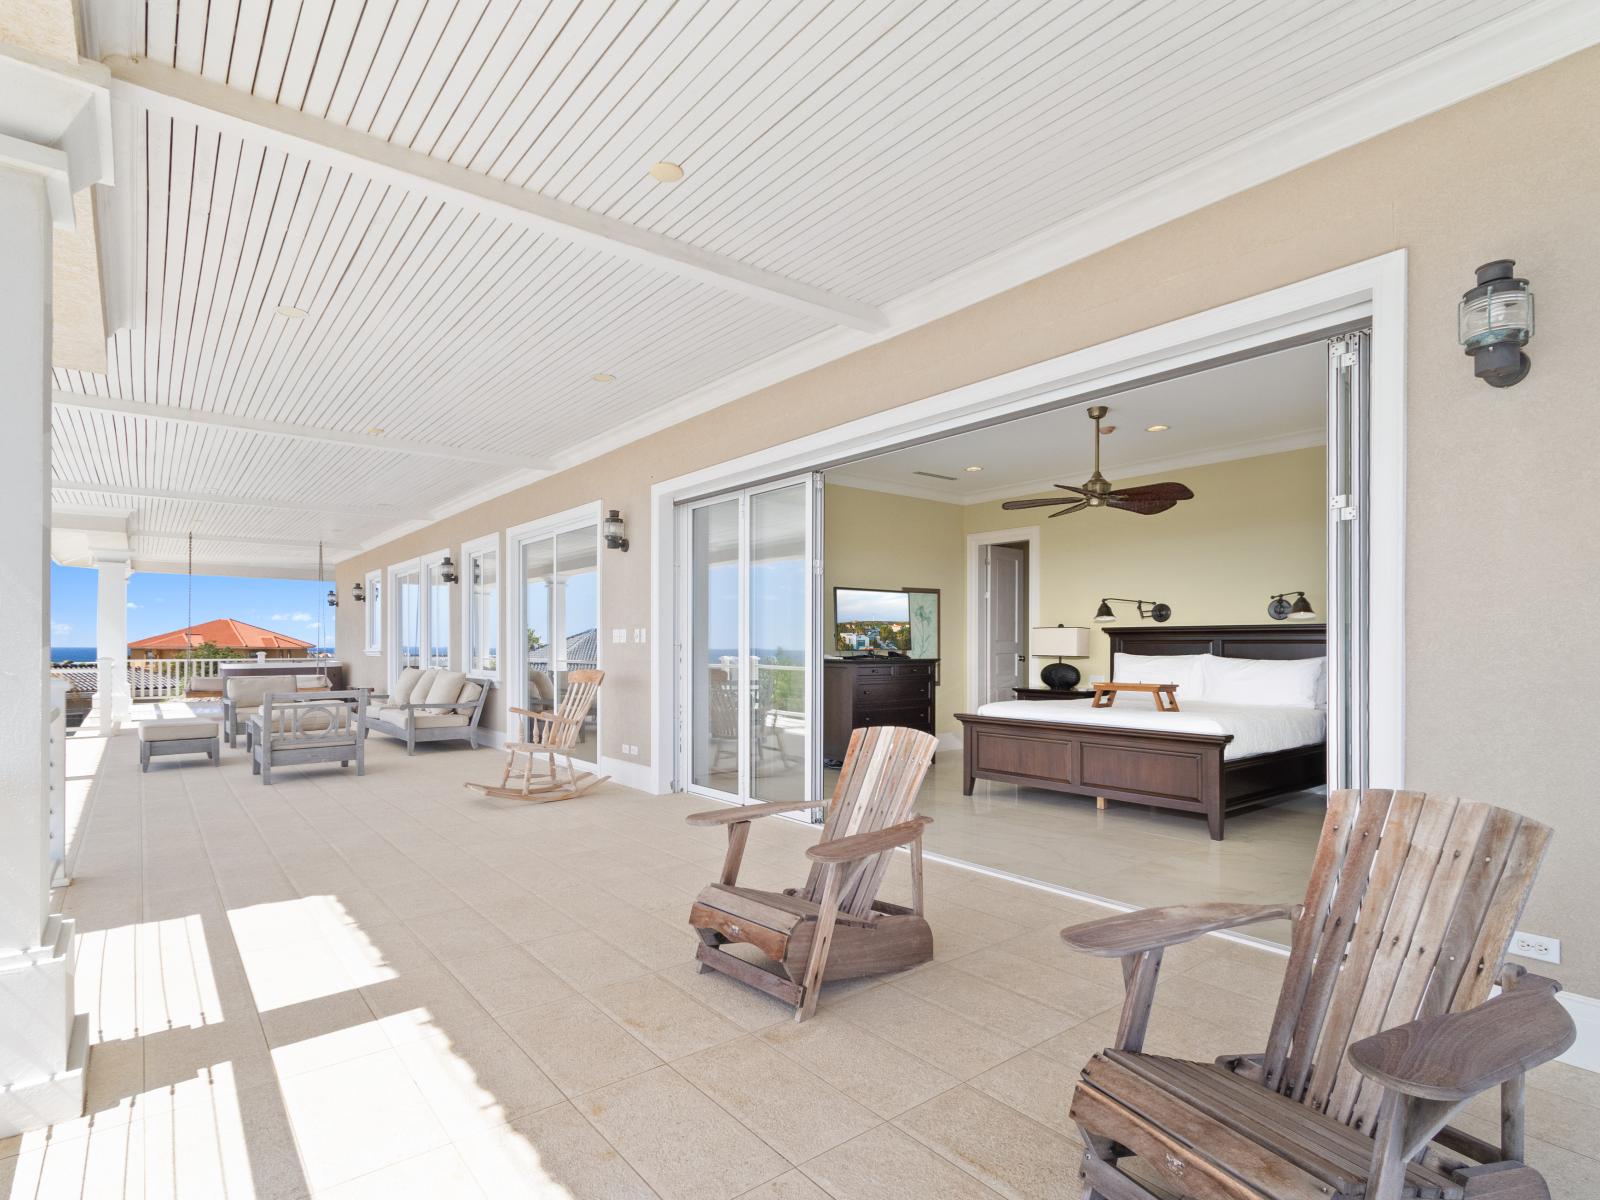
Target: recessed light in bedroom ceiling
(666, 172)
(971, 470)
(290, 311)
(1155, 428)
(603, 377)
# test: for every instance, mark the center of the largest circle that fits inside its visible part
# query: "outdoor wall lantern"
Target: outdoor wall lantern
(1147, 609)
(613, 531)
(1283, 609)
(1495, 321)
(358, 592)
(447, 570)
(333, 598)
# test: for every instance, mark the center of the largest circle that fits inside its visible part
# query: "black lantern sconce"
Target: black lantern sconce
(1148, 610)
(1282, 608)
(613, 531)
(447, 570)
(1495, 321)
(358, 592)
(333, 598)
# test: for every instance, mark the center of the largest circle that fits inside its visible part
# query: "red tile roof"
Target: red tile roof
(225, 631)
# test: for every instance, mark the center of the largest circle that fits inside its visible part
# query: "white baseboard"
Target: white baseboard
(628, 773)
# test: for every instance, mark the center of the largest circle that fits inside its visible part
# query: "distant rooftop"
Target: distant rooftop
(225, 631)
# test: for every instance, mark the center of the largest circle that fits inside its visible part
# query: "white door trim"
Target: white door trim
(1373, 290)
(977, 665)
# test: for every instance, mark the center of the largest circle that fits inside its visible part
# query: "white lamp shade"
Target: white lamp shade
(1060, 641)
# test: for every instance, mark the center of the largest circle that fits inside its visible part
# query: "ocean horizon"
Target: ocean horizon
(61, 654)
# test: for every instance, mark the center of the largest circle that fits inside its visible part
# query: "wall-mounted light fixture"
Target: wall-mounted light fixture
(613, 531)
(333, 598)
(1148, 609)
(1283, 609)
(358, 592)
(447, 570)
(1495, 320)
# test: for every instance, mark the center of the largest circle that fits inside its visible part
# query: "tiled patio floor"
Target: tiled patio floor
(390, 987)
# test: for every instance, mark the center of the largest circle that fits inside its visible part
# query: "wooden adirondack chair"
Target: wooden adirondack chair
(1383, 1030)
(834, 927)
(554, 736)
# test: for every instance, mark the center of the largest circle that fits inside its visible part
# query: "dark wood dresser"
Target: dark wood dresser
(857, 692)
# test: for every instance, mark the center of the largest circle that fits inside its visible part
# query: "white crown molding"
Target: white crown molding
(1479, 60)
(1255, 448)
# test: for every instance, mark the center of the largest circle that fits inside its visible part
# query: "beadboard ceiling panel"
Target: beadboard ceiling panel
(842, 160)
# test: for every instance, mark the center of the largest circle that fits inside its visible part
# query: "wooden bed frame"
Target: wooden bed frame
(1182, 771)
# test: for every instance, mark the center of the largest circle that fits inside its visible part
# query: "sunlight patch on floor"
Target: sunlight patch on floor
(304, 949)
(139, 979)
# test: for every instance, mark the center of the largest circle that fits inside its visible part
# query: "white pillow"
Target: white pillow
(446, 687)
(1181, 669)
(401, 692)
(1285, 683)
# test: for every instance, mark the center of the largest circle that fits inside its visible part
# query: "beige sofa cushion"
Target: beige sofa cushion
(176, 731)
(470, 691)
(404, 686)
(424, 718)
(444, 689)
(310, 722)
(247, 691)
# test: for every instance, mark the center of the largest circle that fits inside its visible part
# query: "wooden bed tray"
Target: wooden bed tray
(1164, 694)
(1181, 771)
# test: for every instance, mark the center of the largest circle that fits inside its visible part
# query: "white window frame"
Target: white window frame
(422, 564)
(516, 682)
(477, 547)
(372, 629)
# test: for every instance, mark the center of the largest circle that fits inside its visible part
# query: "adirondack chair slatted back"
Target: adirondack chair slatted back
(883, 770)
(577, 698)
(1412, 901)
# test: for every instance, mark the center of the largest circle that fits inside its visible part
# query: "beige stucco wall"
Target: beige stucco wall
(1502, 498)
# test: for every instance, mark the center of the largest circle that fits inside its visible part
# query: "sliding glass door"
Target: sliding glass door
(1348, 360)
(557, 617)
(405, 586)
(747, 662)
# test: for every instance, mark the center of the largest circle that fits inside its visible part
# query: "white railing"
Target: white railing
(167, 678)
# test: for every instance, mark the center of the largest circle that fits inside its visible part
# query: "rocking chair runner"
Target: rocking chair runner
(835, 927)
(554, 736)
(1383, 1028)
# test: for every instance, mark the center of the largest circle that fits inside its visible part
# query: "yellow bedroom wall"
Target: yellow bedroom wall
(879, 540)
(1254, 528)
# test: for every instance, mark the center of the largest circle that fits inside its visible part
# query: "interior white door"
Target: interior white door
(1006, 622)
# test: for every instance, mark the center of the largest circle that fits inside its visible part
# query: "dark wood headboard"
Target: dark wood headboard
(1291, 639)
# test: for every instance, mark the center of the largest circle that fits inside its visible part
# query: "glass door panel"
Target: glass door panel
(538, 579)
(576, 613)
(715, 669)
(438, 618)
(779, 643)
(407, 618)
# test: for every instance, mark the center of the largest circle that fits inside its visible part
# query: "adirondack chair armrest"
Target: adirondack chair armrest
(732, 813)
(1156, 928)
(1453, 1057)
(863, 845)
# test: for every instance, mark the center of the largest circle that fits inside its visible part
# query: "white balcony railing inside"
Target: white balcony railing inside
(169, 678)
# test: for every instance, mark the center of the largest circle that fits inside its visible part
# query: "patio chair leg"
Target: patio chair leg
(144, 758)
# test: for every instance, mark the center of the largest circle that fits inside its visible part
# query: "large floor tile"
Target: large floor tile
(663, 1017)
(684, 1145)
(552, 1154)
(886, 1164)
(577, 1045)
(936, 1035)
(1015, 1156)
(873, 1072)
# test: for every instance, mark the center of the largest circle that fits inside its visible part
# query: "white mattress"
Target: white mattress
(1256, 728)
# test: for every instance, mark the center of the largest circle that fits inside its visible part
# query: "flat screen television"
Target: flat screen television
(870, 619)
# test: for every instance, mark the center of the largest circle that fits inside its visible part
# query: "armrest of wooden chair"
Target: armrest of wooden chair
(1430, 1068)
(737, 818)
(864, 845)
(1140, 938)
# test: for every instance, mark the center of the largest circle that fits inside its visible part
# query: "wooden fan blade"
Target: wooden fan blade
(1073, 509)
(1153, 491)
(1047, 502)
(1067, 487)
(1144, 507)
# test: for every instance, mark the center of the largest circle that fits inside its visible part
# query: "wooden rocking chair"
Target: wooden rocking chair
(554, 735)
(1384, 1028)
(835, 927)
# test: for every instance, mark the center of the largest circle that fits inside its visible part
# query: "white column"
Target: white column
(42, 1048)
(111, 698)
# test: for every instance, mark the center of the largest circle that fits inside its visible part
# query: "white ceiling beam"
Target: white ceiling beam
(191, 98)
(309, 545)
(250, 570)
(285, 504)
(284, 429)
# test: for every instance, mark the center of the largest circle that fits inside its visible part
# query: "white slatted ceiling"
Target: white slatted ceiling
(866, 149)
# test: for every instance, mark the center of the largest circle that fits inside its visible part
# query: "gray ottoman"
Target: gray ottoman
(186, 736)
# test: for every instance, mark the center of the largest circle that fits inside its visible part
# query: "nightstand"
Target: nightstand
(1051, 694)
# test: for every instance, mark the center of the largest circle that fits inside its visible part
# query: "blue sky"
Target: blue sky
(157, 603)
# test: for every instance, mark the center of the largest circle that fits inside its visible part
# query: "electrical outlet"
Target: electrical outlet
(638, 636)
(1535, 945)
(619, 635)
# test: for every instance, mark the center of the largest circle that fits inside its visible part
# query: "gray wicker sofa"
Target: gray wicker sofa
(431, 706)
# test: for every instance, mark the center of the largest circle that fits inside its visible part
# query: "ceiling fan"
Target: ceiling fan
(1097, 492)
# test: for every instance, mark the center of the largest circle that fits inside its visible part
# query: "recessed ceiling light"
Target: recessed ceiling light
(603, 377)
(666, 172)
(290, 311)
(971, 470)
(374, 430)
(1155, 428)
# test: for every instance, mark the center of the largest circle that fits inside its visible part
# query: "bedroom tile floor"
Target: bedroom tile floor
(390, 987)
